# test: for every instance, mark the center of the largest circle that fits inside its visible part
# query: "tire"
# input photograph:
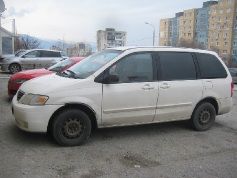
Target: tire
(14, 68)
(203, 116)
(71, 127)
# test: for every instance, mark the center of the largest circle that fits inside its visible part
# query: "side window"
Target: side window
(134, 68)
(45, 53)
(32, 54)
(55, 54)
(177, 66)
(210, 66)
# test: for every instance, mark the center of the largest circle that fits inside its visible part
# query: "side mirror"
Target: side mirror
(111, 79)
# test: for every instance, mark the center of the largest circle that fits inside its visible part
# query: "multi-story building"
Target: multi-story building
(213, 27)
(223, 30)
(110, 38)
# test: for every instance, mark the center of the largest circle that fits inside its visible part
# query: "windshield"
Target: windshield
(20, 52)
(91, 64)
(60, 65)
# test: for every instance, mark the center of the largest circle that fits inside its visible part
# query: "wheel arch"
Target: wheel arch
(210, 100)
(88, 110)
(14, 63)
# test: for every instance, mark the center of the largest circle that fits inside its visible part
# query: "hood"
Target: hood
(50, 83)
(29, 74)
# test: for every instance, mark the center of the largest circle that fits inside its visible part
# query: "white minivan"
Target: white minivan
(126, 86)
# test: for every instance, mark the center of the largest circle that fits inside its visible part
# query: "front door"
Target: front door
(30, 60)
(133, 99)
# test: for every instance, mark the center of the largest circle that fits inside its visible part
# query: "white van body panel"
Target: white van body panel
(177, 99)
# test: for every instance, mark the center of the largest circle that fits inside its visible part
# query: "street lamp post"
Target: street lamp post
(153, 32)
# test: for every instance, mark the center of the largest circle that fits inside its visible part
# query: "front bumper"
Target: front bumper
(32, 118)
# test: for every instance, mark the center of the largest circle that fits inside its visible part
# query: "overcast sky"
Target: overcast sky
(79, 20)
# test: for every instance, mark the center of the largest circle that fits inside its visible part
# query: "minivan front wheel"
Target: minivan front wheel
(14, 68)
(71, 127)
(203, 116)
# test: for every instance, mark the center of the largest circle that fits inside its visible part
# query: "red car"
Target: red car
(18, 78)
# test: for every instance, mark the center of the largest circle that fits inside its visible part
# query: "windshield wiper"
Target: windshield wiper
(72, 73)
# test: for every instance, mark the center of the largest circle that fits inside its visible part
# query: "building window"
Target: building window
(214, 11)
(227, 18)
(224, 52)
(218, 35)
(213, 25)
(235, 43)
(225, 35)
(220, 27)
(189, 34)
(229, 1)
(221, 3)
(221, 11)
(214, 18)
(228, 10)
(225, 43)
(219, 20)
(218, 43)
(212, 40)
(234, 52)
(226, 26)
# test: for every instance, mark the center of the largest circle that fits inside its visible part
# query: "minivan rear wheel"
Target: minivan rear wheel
(203, 116)
(14, 68)
(71, 127)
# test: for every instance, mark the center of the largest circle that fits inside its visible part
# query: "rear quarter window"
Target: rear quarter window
(210, 66)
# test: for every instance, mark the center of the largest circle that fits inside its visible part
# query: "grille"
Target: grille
(20, 94)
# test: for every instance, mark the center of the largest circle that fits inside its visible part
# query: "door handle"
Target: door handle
(147, 87)
(165, 86)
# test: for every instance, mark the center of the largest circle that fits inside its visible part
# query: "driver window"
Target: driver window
(134, 68)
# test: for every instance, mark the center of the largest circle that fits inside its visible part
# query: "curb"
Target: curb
(4, 77)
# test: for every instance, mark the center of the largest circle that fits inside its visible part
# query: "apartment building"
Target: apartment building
(223, 30)
(212, 27)
(110, 38)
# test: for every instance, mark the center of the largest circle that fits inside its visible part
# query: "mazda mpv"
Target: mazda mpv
(126, 86)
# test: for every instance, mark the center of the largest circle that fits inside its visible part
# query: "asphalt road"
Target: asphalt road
(160, 150)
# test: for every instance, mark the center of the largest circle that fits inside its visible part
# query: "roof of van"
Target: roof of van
(163, 48)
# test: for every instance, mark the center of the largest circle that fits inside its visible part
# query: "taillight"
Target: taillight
(232, 88)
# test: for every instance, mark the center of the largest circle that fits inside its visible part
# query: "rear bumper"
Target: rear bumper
(225, 105)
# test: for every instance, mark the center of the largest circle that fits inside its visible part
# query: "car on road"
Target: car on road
(31, 59)
(233, 72)
(126, 86)
(18, 78)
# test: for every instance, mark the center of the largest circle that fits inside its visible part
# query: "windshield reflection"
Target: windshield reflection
(60, 65)
(91, 64)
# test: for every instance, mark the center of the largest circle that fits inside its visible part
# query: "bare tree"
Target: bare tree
(26, 42)
(190, 44)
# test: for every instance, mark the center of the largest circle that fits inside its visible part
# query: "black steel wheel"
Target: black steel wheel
(71, 127)
(203, 116)
(14, 68)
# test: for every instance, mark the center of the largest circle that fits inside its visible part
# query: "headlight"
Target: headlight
(19, 81)
(32, 99)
